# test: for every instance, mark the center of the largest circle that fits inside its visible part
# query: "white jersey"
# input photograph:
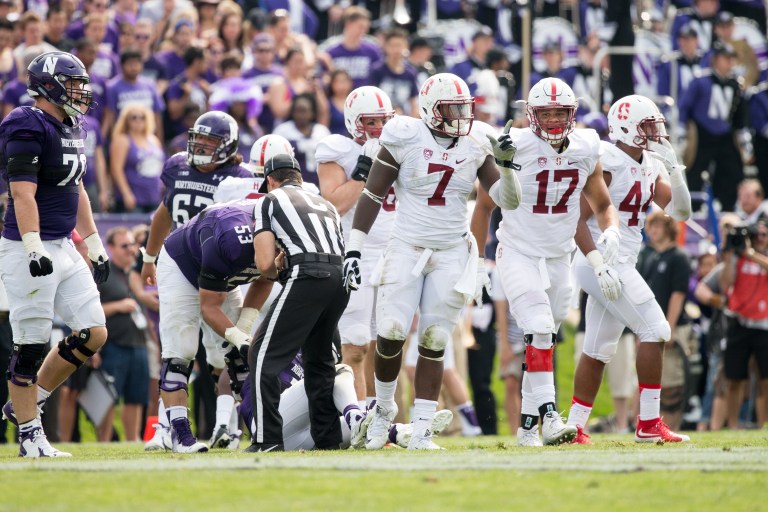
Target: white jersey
(545, 222)
(632, 188)
(433, 182)
(233, 188)
(344, 152)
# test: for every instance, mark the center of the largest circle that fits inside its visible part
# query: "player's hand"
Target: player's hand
(40, 261)
(664, 151)
(236, 338)
(98, 257)
(609, 281)
(611, 239)
(280, 261)
(504, 148)
(352, 277)
(362, 169)
(483, 280)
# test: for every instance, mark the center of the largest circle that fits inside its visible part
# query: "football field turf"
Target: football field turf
(716, 471)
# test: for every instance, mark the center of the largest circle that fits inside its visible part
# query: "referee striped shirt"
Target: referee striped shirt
(302, 221)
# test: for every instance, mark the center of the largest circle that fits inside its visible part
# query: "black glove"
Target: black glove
(362, 169)
(237, 368)
(100, 270)
(40, 264)
(352, 278)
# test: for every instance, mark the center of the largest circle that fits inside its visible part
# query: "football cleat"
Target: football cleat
(655, 430)
(34, 444)
(581, 437)
(183, 440)
(264, 447)
(554, 431)
(423, 442)
(377, 426)
(220, 437)
(359, 429)
(234, 440)
(400, 434)
(160, 441)
(528, 437)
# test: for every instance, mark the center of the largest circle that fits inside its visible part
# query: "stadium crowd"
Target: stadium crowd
(288, 67)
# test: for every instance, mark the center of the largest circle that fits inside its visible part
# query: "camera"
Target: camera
(736, 239)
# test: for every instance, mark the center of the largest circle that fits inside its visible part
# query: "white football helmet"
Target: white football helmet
(635, 120)
(551, 93)
(265, 148)
(366, 102)
(446, 105)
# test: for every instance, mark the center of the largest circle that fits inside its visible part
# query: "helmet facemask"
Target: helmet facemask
(556, 128)
(364, 132)
(204, 149)
(454, 117)
(650, 129)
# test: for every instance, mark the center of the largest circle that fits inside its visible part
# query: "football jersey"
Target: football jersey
(59, 150)
(433, 182)
(545, 222)
(217, 242)
(344, 152)
(235, 189)
(632, 189)
(188, 191)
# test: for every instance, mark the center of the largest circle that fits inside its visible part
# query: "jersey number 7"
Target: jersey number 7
(437, 198)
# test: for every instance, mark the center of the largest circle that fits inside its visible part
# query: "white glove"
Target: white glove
(246, 320)
(607, 277)
(236, 337)
(483, 280)
(666, 153)
(611, 239)
(371, 148)
(504, 148)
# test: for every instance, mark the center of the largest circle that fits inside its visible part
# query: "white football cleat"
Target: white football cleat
(377, 426)
(160, 441)
(440, 422)
(34, 444)
(220, 437)
(423, 442)
(554, 431)
(234, 440)
(528, 437)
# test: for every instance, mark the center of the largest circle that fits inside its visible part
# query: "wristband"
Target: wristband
(356, 241)
(95, 247)
(146, 257)
(247, 318)
(595, 258)
(32, 242)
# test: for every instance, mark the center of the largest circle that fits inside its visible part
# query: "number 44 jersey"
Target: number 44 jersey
(433, 182)
(188, 191)
(545, 222)
(52, 155)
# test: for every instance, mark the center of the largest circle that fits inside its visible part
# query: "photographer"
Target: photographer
(745, 277)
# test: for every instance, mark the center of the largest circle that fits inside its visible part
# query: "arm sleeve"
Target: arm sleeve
(23, 156)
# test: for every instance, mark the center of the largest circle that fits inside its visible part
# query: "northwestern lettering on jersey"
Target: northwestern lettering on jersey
(72, 143)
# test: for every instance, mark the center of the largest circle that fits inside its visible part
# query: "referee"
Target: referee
(306, 313)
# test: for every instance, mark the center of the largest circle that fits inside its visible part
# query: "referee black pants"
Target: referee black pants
(305, 315)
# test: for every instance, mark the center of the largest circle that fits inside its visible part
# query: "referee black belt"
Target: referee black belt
(315, 257)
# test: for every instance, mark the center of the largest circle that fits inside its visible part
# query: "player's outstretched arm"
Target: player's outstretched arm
(158, 230)
(507, 191)
(87, 229)
(672, 195)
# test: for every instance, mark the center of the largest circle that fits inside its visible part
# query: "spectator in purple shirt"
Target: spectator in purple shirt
(355, 54)
(15, 92)
(153, 70)
(188, 86)
(395, 76)
(338, 89)
(76, 29)
(32, 33)
(86, 51)
(106, 64)
(180, 41)
(129, 88)
(297, 81)
(263, 73)
(304, 133)
(482, 42)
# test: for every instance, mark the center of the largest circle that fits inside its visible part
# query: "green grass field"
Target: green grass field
(719, 471)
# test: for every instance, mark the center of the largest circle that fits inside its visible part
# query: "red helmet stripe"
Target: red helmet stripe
(263, 151)
(553, 92)
(378, 98)
(458, 86)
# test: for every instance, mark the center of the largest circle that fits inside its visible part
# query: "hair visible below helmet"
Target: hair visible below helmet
(366, 102)
(277, 163)
(218, 125)
(266, 148)
(446, 105)
(61, 78)
(546, 94)
(635, 120)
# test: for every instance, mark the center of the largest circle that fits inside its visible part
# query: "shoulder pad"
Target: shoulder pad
(332, 147)
(24, 120)
(482, 129)
(609, 156)
(400, 130)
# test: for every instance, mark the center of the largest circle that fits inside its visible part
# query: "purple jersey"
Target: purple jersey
(57, 162)
(76, 31)
(174, 64)
(141, 92)
(142, 168)
(337, 125)
(358, 63)
(15, 94)
(154, 70)
(93, 142)
(400, 87)
(214, 250)
(188, 191)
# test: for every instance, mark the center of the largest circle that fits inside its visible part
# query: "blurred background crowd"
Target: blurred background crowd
(286, 67)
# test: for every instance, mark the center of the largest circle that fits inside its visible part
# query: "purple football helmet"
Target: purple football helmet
(62, 79)
(213, 139)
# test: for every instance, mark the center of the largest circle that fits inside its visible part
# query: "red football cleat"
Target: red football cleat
(652, 431)
(581, 437)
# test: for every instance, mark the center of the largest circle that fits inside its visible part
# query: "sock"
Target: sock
(344, 391)
(650, 401)
(423, 414)
(24, 427)
(542, 387)
(352, 415)
(579, 413)
(468, 417)
(175, 412)
(385, 392)
(530, 413)
(162, 415)
(224, 406)
(234, 420)
(362, 404)
(42, 395)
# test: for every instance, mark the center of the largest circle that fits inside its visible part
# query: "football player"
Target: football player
(201, 266)
(190, 179)
(343, 167)
(431, 261)
(555, 162)
(641, 167)
(42, 158)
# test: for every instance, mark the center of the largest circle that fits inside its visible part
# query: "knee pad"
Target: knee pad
(174, 374)
(538, 359)
(388, 349)
(237, 368)
(432, 355)
(26, 360)
(73, 342)
(435, 338)
(391, 329)
(604, 352)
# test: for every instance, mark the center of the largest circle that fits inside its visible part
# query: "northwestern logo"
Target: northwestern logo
(50, 65)
(72, 143)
